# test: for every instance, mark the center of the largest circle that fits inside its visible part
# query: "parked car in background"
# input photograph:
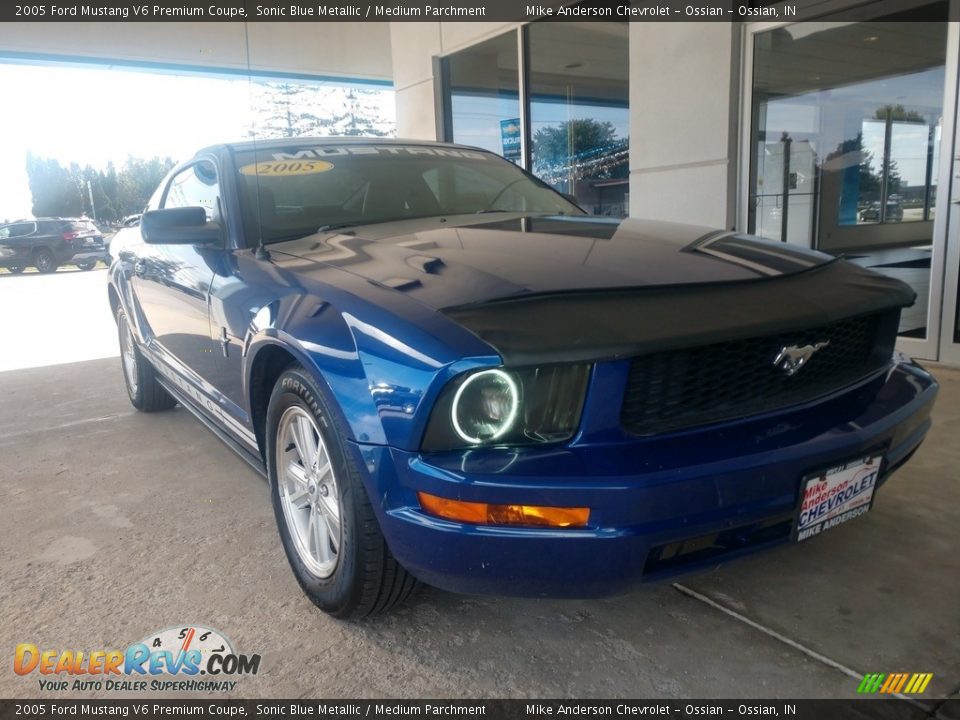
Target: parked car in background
(450, 373)
(130, 220)
(48, 243)
(894, 211)
(89, 244)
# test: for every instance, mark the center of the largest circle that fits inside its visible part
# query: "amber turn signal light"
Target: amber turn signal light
(487, 514)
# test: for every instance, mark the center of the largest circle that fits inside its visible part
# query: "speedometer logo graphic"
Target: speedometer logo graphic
(180, 640)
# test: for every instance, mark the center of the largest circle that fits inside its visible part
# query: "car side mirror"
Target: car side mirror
(179, 226)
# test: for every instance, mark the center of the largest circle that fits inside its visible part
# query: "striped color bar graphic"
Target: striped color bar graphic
(909, 683)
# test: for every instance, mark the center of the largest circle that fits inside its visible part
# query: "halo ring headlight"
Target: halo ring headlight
(502, 425)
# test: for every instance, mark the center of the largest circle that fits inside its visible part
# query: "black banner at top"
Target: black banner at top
(416, 10)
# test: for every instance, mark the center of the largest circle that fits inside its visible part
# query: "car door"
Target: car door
(172, 286)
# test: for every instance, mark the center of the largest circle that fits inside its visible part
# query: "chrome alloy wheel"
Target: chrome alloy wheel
(128, 353)
(308, 491)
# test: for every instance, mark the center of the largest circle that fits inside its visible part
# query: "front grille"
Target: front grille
(677, 389)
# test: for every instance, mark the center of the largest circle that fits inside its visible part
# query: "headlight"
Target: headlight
(485, 406)
(508, 407)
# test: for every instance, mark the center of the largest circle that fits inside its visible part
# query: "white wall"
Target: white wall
(682, 131)
(351, 50)
(414, 45)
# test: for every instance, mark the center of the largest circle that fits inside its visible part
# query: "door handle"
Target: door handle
(139, 268)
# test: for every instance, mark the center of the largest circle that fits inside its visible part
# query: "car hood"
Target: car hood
(572, 289)
(449, 262)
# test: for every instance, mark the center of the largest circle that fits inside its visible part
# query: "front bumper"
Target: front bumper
(659, 506)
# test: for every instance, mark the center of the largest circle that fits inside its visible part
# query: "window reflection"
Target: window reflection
(483, 96)
(846, 128)
(895, 181)
(579, 116)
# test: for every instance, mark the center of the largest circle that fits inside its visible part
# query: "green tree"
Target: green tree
(109, 184)
(899, 113)
(137, 181)
(282, 109)
(870, 177)
(54, 188)
(580, 148)
(362, 117)
(60, 191)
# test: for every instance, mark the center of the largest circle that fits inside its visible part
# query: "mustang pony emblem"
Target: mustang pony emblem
(792, 357)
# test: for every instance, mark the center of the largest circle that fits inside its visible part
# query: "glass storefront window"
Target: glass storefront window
(577, 105)
(579, 111)
(846, 127)
(483, 97)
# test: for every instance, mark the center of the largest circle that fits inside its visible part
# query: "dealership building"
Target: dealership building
(837, 133)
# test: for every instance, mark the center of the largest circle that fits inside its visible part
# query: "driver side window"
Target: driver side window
(196, 186)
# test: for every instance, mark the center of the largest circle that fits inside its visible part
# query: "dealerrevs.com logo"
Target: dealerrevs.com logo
(171, 660)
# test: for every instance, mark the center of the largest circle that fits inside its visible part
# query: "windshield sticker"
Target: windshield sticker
(284, 167)
(329, 150)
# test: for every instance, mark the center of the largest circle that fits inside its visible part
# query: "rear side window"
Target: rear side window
(17, 230)
(80, 226)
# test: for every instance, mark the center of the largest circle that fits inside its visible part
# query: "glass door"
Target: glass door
(845, 147)
(950, 332)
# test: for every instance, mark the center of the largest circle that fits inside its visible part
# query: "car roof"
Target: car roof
(328, 140)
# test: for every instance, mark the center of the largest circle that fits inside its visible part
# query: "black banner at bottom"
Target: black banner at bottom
(880, 708)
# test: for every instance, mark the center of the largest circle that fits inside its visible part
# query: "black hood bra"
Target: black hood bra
(559, 289)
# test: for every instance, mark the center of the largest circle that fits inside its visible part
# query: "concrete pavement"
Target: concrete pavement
(58, 318)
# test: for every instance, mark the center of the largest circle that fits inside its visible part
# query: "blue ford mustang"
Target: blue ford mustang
(449, 373)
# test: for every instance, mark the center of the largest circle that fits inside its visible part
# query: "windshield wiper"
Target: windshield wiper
(336, 226)
(286, 238)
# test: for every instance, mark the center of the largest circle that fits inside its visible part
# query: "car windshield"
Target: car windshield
(290, 192)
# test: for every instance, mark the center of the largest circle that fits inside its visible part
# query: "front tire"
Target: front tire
(16, 269)
(145, 392)
(87, 265)
(45, 261)
(327, 526)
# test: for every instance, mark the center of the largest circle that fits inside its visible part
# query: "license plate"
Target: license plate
(837, 495)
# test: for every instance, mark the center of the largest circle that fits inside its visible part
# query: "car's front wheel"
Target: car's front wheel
(45, 261)
(16, 269)
(327, 526)
(139, 375)
(86, 265)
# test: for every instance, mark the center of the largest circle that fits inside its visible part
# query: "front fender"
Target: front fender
(339, 375)
(118, 281)
(382, 383)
